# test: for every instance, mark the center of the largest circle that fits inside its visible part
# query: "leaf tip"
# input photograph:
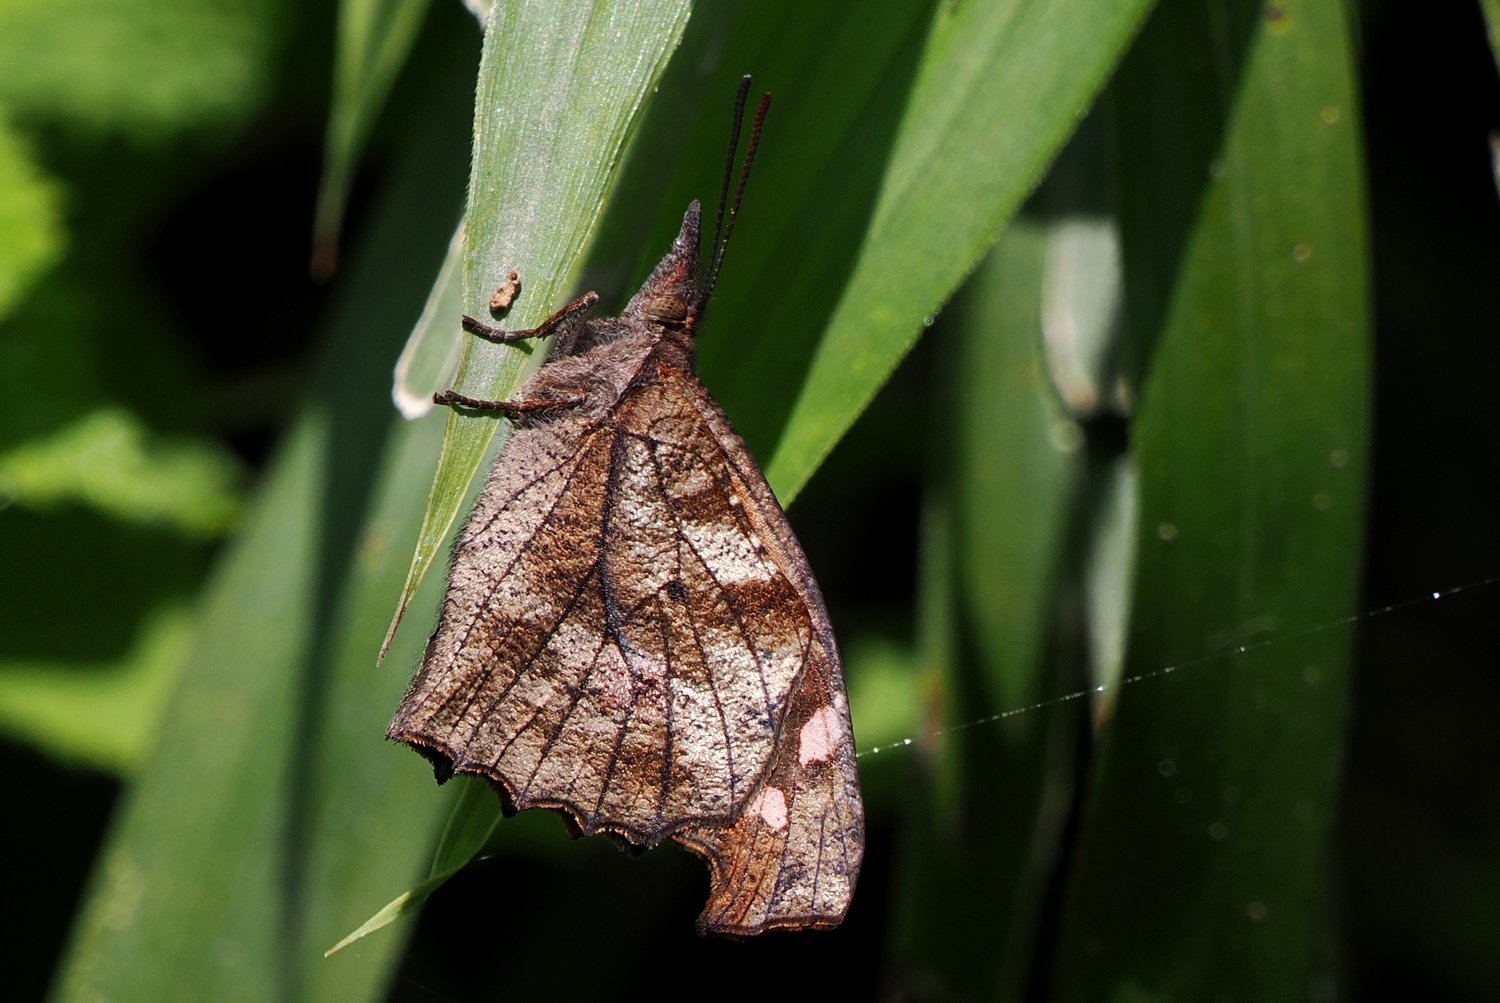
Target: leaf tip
(390, 633)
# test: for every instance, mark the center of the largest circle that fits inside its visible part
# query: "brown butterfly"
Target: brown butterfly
(631, 634)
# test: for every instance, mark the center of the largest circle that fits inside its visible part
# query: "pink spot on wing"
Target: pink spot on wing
(771, 807)
(820, 736)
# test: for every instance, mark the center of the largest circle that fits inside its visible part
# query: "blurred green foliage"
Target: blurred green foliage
(134, 69)
(87, 86)
(31, 237)
(1073, 546)
(106, 460)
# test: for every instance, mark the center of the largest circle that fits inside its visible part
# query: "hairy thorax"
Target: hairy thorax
(595, 380)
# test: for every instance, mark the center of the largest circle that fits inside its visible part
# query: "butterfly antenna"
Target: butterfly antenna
(734, 141)
(728, 212)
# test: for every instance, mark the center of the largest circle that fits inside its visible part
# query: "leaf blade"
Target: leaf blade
(374, 39)
(551, 119)
(957, 172)
(1203, 858)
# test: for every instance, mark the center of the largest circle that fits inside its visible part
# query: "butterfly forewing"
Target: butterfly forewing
(625, 652)
(510, 662)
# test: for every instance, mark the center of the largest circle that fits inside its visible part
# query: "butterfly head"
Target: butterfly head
(674, 295)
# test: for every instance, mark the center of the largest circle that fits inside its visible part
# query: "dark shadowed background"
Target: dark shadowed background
(163, 347)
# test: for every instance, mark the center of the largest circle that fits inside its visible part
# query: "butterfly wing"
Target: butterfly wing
(626, 618)
(792, 855)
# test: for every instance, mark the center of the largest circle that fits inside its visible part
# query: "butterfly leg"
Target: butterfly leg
(562, 323)
(566, 323)
(511, 409)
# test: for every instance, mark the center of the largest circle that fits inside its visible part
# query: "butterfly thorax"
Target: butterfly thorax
(593, 382)
(593, 367)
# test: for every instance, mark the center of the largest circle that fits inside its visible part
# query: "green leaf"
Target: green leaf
(374, 39)
(100, 714)
(402, 905)
(1491, 10)
(997, 90)
(469, 825)
(997, 548)
(1204, 854)
(884, 695)
(555, 102)
(269, 814)
(1015, 466)
(430, 356)
(31, 227)
(135, 66)
(898, 144)
(89, 654)
(108, 460)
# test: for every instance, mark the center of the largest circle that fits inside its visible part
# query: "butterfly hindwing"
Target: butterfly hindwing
(792, 857)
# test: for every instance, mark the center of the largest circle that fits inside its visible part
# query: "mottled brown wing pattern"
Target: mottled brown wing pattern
(631, 633)
(620, 638)
(793, 855)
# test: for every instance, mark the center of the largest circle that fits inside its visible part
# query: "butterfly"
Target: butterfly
(631, 635)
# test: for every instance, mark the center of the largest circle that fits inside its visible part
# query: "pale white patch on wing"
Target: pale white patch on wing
(771, 807)
(640, 556)
(733, 556)
(820, 736)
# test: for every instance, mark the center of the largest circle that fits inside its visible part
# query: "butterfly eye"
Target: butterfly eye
(668, 309)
